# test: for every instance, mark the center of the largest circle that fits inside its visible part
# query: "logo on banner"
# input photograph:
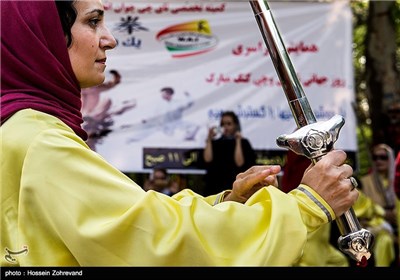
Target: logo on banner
(188, 39)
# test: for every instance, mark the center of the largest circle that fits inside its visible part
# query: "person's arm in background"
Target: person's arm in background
(208, 153)
(244, 156)
(189, 100)
(238, 156)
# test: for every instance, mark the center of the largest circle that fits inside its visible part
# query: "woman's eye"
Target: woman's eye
(94, 22)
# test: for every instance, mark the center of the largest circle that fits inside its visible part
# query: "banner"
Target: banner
(210, 57)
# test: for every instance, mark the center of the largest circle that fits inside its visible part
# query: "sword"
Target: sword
(313, 138)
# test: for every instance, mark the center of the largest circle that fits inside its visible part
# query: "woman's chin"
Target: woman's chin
(93, 82)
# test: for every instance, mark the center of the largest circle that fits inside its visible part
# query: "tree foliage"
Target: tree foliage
(376, 53)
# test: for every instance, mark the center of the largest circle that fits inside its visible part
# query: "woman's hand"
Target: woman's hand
(329, 177)
(212, 132)
(253, 179)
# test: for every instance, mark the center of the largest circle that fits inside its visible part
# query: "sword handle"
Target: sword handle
(314, 141)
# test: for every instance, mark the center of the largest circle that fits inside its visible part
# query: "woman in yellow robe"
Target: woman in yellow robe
(378, 187)
(62, 204)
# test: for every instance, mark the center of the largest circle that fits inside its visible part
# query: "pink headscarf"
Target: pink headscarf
(36, 71)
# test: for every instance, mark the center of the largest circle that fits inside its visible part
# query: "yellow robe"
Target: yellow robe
(62, 204)
(319, 252)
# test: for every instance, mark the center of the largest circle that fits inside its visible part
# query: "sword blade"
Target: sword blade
(301, 109)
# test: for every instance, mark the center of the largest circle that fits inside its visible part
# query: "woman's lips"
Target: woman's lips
(103, 61)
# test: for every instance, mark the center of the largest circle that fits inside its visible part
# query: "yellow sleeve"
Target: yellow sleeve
(318, 250)
(315, 211)
(212, 199)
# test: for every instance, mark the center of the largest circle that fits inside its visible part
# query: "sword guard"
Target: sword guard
(313, 140)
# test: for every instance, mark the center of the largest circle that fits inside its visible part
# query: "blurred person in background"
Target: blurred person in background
(160, 181)
(378, 185)
(227, 155)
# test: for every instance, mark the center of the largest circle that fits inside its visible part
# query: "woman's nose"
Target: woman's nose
(107, 40)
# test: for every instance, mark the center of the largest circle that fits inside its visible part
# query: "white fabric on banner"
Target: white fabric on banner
(212, 55)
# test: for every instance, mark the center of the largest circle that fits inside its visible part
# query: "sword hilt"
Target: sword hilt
(314, 141)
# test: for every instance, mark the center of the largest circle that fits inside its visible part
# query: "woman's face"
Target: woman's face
(229, 127)
(381, 159)
(90, 40)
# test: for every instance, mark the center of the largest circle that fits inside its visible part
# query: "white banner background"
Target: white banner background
(235, 74)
